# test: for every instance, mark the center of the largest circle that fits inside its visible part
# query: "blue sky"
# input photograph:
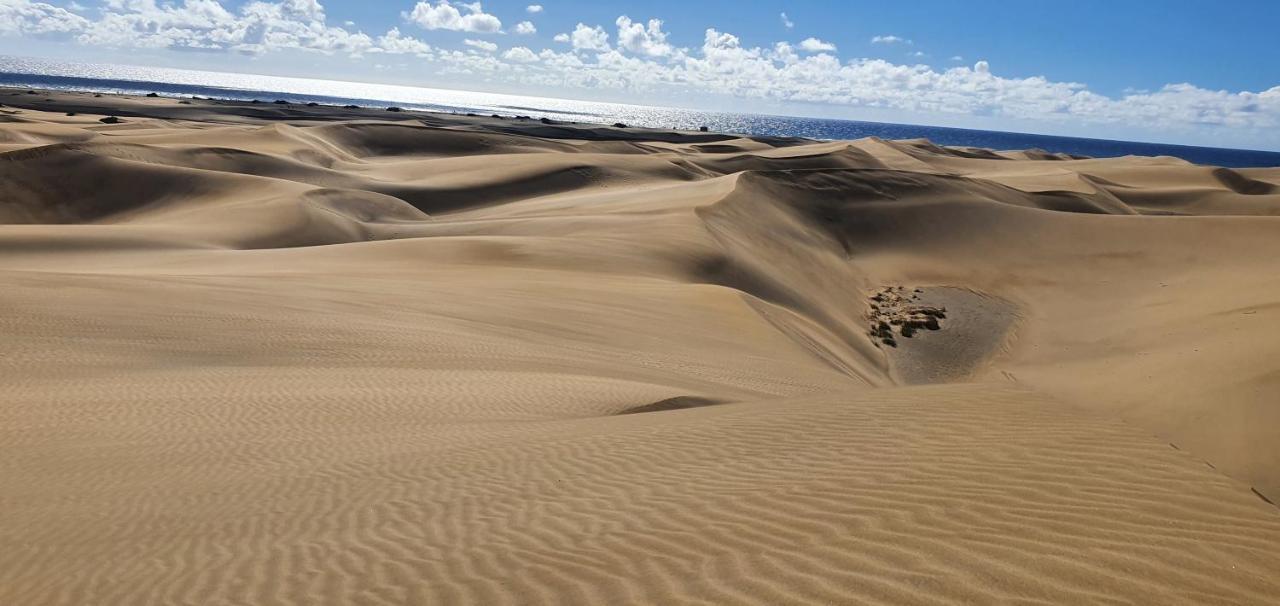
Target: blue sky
(1173, 71)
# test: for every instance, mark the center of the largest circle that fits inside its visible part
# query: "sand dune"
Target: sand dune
(269, 354)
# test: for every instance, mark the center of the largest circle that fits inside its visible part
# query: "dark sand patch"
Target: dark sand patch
(676, 403)
(959, 331)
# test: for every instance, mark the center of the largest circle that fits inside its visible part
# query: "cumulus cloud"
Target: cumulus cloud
(589, 38)
(786, 22)
(814, 45)
(723, 65)
(890, 40)
(561, 38)
(784, 53)
(257, 27)
(19, 17)
(957, 58)
(647, 40)
(526, 28)
(483, 45)
(520, 54)
(533, 9)
(394, 42)
(443, 15)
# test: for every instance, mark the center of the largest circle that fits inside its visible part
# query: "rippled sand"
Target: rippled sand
(269, 354)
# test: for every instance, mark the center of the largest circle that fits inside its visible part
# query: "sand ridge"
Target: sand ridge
(277, 354)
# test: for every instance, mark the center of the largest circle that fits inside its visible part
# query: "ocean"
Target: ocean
(62, 75)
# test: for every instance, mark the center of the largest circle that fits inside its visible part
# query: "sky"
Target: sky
(1175, 71)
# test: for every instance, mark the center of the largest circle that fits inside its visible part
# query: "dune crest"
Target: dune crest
(288, 355)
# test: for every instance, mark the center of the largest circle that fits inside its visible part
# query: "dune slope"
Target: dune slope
(287, 355)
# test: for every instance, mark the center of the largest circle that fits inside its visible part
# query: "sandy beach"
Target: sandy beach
(266, 353)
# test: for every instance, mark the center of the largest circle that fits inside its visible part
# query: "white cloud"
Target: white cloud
(561, 38)
(483, 45)
(641, 40)
(22, 17)
(589, 38)
(723, 66)
(444, 15)
(786, 22)
(526, 28)
(814, 45)
(520, 54)
(957, 58)
(533, 9)
(890, 40)
(206, 25)
(394, 42)
(784, 53)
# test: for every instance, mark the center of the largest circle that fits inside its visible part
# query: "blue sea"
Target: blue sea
(60, 75)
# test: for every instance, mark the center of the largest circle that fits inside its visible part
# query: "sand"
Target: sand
(277, 354)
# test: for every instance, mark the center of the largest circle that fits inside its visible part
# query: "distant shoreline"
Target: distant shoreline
(453, 101)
